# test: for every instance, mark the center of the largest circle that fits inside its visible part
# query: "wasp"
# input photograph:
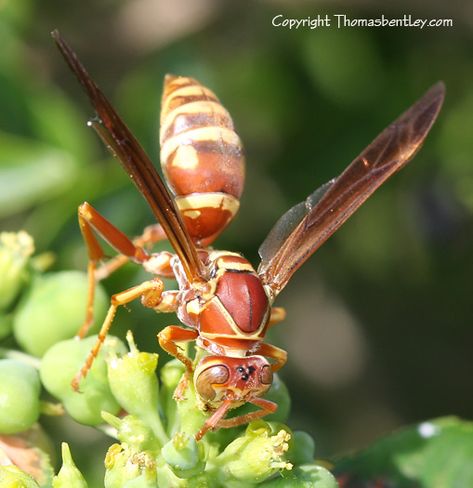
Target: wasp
(225, 304)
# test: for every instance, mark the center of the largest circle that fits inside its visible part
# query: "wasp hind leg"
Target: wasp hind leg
(151, 235)
(90, 221)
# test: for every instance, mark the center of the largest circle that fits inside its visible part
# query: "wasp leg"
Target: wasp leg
(90, 220)
(278, 314)
(150, 293)
(151, 235)
(167, 340)
(267, 407)
(168, 303)
(216, 420)
(273, 352)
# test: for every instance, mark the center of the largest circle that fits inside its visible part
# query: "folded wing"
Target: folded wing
(121, 142)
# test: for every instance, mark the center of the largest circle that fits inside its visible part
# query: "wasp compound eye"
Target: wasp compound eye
(266, 375)
(214, 375)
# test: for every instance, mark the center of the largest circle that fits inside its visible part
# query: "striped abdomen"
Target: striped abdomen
(201, 156)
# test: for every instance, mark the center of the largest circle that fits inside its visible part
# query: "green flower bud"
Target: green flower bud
(255, 456)
(60, 364)
(185, 414)
(274, 427)
(304, 477)
(126, 468)
(53, 310)
(134, 384)
(133, 432)
(184, 455)
(15, 251)
(69, 476)
(6, 325)
(171, 374)
(167, 478)
(301, 449)
(19, 396)
(190, 416)
(13, 477)
(279, 394)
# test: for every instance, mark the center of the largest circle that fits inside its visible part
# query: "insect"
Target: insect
(224, 303)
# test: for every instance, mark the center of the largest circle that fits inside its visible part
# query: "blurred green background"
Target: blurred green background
(379, 329)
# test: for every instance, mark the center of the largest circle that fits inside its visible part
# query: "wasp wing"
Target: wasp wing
(121, 142)
(306, 226)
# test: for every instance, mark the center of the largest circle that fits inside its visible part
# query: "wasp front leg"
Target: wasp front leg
(277, 354)
(168, 339)
(216, 420)
(266, 407)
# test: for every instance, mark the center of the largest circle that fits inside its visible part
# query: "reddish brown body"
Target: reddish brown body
(231, 312)
(201, 156)
(223, 301)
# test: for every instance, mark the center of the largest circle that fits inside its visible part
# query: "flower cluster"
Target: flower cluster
(121, 395)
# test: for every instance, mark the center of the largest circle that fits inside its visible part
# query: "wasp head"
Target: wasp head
(218, 378)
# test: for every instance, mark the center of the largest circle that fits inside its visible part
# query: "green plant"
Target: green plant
(19, 396)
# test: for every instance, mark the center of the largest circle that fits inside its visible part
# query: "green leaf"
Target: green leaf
(343, 81)
(31, 173)
(434, 454)
(56, 121)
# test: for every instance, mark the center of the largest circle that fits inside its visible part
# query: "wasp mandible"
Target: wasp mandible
(223, 302)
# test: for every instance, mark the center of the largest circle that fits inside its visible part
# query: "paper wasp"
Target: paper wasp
(224, 303)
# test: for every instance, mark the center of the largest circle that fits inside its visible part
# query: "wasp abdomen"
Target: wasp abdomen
(201, 156)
